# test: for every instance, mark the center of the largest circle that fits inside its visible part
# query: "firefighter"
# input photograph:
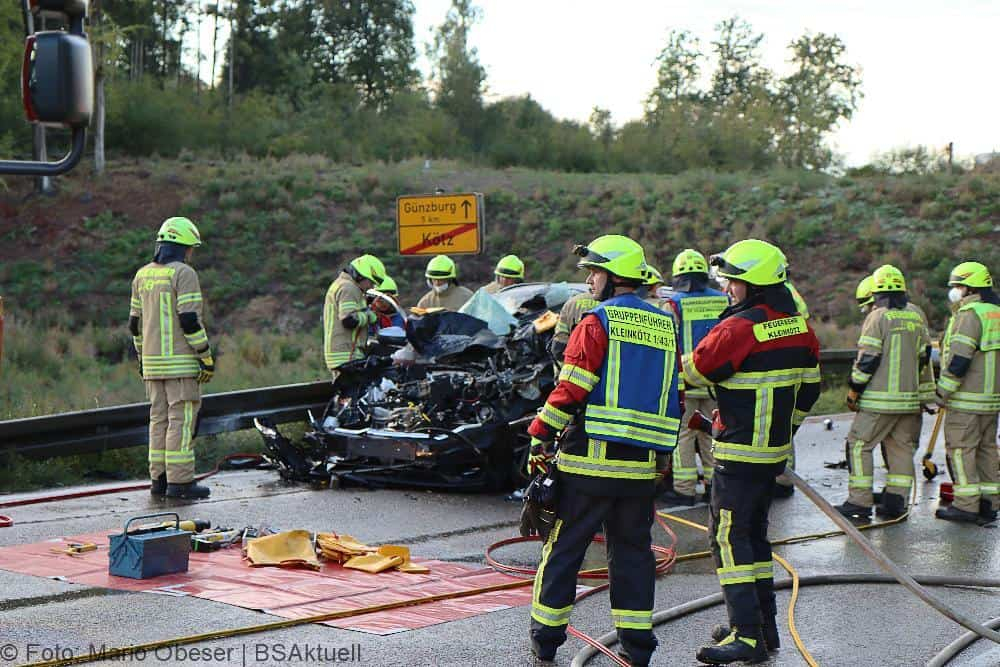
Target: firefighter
(509, 271)
(570, 315)
(346, 316)
(653, 285)
(698, 307)
(442, 279)
(890, 380)
(762, 359)
(620, 376)
(863, 295)
(388, 316)
(969, 388)
(167, 300)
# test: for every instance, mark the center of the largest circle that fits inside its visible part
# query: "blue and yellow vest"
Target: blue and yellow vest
(699, 313)
(636, 401)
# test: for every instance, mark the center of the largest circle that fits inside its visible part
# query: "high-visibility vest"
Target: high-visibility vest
(636, 399)
(699, 313)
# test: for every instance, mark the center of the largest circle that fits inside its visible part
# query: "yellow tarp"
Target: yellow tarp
(348, 551)
(291, 548)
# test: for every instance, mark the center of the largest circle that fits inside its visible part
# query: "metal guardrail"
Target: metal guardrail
(89, 431)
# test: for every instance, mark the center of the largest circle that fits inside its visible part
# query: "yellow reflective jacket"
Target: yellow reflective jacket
(160, 293)
(970, 374)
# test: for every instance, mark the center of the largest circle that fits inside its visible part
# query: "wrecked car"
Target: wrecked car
(453, 415)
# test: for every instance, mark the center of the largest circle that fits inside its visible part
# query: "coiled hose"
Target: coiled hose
(849, 529)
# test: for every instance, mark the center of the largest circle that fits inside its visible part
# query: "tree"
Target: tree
(374, 41)
(677, 73)
(601, 127)
(459, 79)
(739, 75)
(822, 91)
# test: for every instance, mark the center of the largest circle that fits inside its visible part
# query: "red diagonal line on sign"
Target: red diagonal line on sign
(440, 237)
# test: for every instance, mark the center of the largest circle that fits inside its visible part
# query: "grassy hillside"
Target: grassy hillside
(277, 231)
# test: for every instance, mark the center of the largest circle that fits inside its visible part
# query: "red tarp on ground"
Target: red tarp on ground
(222, 576)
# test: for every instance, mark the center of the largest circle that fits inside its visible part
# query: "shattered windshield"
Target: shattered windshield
(515, 297)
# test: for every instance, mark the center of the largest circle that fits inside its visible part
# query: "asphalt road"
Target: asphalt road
(840, 625)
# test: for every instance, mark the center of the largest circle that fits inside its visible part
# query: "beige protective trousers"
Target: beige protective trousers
(173, 411)
(971, 444)
(900, 435)
(690, 443)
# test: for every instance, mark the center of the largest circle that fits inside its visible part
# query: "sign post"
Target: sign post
(440, 224)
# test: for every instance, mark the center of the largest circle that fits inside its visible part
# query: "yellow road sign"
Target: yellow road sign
(445, 224)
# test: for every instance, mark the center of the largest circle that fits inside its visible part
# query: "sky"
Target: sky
(928, 67)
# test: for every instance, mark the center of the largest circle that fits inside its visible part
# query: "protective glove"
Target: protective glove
(852, 400)
(539, 456)
(207, 364)
(717, 424)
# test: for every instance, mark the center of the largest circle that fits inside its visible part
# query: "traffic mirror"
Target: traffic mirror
(57, 79)
(71, 8)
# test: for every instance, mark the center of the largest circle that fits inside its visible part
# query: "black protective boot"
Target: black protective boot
(158, 486)
(852, 511)
(671, 497)
(745, 646)
(892, 506)
(986, 511)
(190, 491)
(952, 513)
(782, 491)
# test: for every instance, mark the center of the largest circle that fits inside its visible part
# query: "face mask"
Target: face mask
(955, 294)
(440, 289)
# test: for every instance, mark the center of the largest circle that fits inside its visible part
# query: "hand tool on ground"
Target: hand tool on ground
(215, 539)
(192, 525)
(930, 468)
(75, 548)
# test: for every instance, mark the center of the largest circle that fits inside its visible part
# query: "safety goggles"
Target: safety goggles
(589, 255)
(440, 275)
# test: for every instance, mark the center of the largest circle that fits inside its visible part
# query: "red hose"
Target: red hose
(6, 522)
(663, 566)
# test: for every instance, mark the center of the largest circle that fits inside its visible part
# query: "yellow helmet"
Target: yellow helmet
(971, 274)
(179, 230)
(618, 255)
(689, 261)
(510, 267)
(864, 292)
(655, 277)
(441, 267)
(370, 267)
(887, 278)
(388, 286)
(752, 261)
